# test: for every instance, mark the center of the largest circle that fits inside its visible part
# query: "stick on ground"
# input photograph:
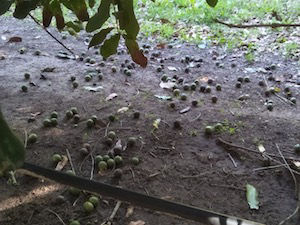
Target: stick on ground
(58, 217)
(271, 25)
(290, 170)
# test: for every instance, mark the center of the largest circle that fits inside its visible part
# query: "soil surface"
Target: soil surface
(183, 165)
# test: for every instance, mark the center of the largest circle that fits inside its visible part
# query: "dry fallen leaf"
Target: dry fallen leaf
(62, 163)
(261, 148)
(167, 85)
(123, 109)
(161, 45)
(48, 69)
(296, 165)
(204, 79)
(172, 68)
(111, 96)
(129, 211)
(15, 39)
(156, 123)
(139, 222)
(35, 114)
(118, 144)
(163, 97)
(185, 110)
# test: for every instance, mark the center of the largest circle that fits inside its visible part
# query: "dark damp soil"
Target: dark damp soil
(182, 165)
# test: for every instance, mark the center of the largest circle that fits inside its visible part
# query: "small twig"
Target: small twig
(284, 99)
(239, 149)
(154, 174)
(142, 143)
(290, 170)
(232, 113)
(280, 99)
(30, 217)
(106, 129)
(234, 163)
(197, 175)
(70, 160)
(147, 192)
(60, 219)
(181, 155)
(26, 139)
(93, 165)
(272, 25)
(267, 167)
(132, 173)
(251, 150)
(90, 217)
(164, 148)
(290, 216)
(227, 186)
(153, 155)
(85, 158)
(119, 128)
(266, 82)
(280, 163)
(12, 178)
(123, 128)
(48, 32)
(137, 92)
(114, 212)
(196, 118)
(165, 123)
(154, 135)
(77, 199)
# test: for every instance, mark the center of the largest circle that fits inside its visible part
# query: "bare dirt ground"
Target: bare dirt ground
(182, 165)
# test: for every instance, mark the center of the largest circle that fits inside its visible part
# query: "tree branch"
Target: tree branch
(272, 25)
(48, 32)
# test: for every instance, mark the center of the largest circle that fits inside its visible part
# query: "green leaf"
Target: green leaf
(81, 10)
(5, 5)
(47, 16)
(55, 8)
(72, 32)
(100, 17)
(252, 196)
(212, 3)
(78, 7)
(76, 26)
(110, 46)
(67, 4)
(100, 36)
(92, 3)
(60, 21)
(127, 19)
(12, 151)
(24, 7)
(135, 52)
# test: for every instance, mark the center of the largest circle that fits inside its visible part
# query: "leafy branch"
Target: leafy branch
(127, 25)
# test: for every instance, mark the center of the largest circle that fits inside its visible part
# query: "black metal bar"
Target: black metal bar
(138, 199)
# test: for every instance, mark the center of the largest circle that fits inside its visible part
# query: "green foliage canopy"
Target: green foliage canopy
(126, 25)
